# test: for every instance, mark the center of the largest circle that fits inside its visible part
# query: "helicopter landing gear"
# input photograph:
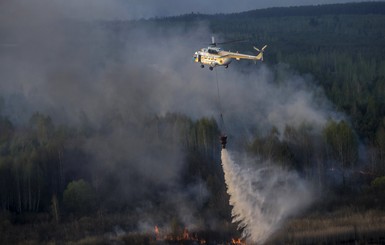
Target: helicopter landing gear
(211, 68)
(202, 66)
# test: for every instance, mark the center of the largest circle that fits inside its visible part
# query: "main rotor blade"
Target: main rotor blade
(234, 41)
(264, 47)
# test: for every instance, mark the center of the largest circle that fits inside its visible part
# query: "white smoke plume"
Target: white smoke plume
(263, 196)
(75, 71)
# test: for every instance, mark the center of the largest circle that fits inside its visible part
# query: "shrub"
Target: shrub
(378, 183)
(79, 197)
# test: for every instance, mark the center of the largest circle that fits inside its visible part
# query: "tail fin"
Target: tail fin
(260, 55)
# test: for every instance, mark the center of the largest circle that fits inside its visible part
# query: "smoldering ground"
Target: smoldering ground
(117, 75)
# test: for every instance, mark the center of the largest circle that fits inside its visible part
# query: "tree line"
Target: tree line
(45, 168)
(41, 164)
(340, 45)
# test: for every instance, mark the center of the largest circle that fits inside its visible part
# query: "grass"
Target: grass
(343, 226)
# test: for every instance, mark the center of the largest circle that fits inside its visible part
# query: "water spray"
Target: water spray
(262, 196)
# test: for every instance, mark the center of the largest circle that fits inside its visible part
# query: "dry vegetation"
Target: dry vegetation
(346, 226)
(343, 226)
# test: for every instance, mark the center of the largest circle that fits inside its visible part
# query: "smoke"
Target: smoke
(263, 196)
(70, 68)
(117, 75)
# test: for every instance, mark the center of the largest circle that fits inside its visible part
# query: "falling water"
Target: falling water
(262, 197)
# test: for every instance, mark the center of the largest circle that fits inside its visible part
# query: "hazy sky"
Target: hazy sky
(128, 9)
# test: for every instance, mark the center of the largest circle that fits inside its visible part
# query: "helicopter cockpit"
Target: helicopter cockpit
(213, 50)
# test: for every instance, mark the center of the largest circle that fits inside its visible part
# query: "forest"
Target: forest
(55, 187)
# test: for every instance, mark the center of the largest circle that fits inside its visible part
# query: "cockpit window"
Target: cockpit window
(213, 51)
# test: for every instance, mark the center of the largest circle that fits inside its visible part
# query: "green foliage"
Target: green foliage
(271, 148)
(301, 144)
(31, 169)
(6, 130)
(43, 127)
(379, 183)
(377, 189)
(79, 197)
(342, 143)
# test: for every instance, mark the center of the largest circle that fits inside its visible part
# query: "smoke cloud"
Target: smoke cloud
(75, 70)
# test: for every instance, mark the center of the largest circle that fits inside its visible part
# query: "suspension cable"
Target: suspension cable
(222, 121)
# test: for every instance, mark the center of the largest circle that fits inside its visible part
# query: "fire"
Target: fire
(156, 229)
(185, 236)
(237, 242)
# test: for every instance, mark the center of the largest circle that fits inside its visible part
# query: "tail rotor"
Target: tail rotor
(260, 55)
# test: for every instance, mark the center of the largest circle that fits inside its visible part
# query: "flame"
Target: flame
(186, 235)
(161, 235)
(156, 230)
(237, 242)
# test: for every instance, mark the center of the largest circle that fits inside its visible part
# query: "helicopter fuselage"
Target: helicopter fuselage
(214, 56)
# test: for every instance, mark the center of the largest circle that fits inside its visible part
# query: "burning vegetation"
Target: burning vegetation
(164, 236)
(183, 238)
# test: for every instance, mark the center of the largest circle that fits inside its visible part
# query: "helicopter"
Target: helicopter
(214, 56)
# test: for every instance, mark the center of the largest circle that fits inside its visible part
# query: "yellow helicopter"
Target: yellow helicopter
(214, 56)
